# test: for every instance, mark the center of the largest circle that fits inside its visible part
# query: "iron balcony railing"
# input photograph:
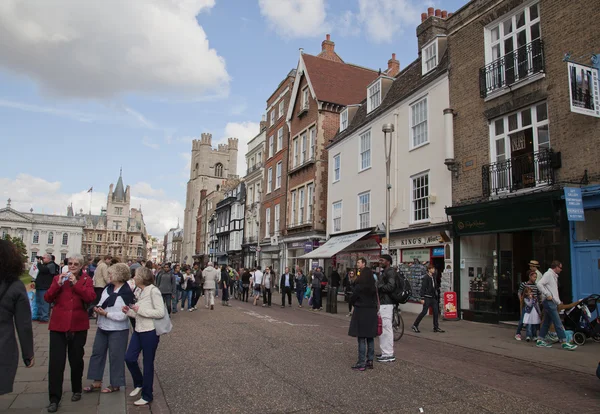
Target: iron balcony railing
(513, 67)
(517, 173)
(309, 159)
(254, 168)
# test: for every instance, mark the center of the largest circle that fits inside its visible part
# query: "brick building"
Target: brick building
(517, 144)
(323, 87)
(273, 196)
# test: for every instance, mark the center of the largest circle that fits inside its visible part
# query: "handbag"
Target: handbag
(162, 325)
(379, 320)
(308, 292)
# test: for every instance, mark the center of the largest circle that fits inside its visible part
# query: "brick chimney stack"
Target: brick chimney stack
(393, 66)
(328, 50)
(263, 123)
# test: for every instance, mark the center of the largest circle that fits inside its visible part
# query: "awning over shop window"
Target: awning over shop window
(334, 245)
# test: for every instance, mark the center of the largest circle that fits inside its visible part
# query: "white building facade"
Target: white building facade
(414, 103)
(60, 236)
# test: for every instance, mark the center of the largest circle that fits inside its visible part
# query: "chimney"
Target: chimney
(438, 13)
(393, 66)
(423, 17)
(263, 123)
(444, 14)
(328, 50)
(430, 11)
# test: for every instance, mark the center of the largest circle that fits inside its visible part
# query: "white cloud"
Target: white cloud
(26, 191)
(244, 132)
(146, 141)
(295, 18)
(104, 48)
(385, 19)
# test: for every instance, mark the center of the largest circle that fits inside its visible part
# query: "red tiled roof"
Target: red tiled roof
(336, 82)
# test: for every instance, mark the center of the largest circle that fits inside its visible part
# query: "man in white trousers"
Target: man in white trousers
(386, 283)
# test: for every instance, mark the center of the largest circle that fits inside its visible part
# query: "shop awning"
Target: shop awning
(334, 245)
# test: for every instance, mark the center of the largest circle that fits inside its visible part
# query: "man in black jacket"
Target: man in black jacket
(47, 269)
(386, 284)
(431, 299)
(286, 284)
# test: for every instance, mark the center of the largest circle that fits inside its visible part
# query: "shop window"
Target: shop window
(590, 228)
(478, 276)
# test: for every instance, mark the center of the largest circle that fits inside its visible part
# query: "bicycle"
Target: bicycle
(397, 323)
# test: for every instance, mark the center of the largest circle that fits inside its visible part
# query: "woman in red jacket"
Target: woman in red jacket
(70, 293)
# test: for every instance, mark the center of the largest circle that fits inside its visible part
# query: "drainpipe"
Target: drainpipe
(396, 164)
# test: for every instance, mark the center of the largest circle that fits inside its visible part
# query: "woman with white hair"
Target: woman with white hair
(70, 293)
(113, 331)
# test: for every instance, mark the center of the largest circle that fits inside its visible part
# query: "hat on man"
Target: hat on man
(534, 263)
(387, 257)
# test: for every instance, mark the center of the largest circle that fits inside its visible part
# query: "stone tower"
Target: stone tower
(209, 169)
(117, 206)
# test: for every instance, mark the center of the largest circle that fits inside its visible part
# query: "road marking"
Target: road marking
(273, 320)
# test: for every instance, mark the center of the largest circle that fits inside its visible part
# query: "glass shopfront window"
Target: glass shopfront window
(478, 274)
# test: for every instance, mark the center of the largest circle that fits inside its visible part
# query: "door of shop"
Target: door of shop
(587, 276)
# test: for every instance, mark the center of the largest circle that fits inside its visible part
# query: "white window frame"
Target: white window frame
(296, 153)
(419, 123)
(374, 96)
(278, 175)
(312, 141)
(293, 209)
(344, 120)
(269, 180)
(429, 56)
(65, 239)
(250, 194)
(35, 238)
(305, 97)
(279, 139)
(310, 195)
(50, 240)
(364, 215)
(364, 151)
(303, 149)
(301, 201)
(277, 218)
(415, 199)
(273, 117)
(267, 222)
(337, 164)
(271, 146)
(336, 216)
(281, 108)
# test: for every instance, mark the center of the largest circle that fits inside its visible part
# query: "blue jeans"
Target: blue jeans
(175, 299)
(216, 290)
(300, 296)
(186, 295)
(532, 330)
(42, 305)
(551, 316)
(145, 342)
(520, 326)
(365, 345)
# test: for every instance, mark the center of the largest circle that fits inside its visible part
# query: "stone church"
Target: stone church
(210, 169)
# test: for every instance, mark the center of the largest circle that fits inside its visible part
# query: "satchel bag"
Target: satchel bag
(162, 325)
(379, 320)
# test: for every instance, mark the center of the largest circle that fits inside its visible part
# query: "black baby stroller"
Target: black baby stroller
(581, 320)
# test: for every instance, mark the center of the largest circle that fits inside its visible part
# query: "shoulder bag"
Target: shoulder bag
(379, 320)
(162, 325)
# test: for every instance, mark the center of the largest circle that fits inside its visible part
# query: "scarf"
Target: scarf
(124, 292)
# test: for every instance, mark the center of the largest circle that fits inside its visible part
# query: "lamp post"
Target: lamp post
(387, 129)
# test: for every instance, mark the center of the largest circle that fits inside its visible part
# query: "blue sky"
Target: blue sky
(89, 87)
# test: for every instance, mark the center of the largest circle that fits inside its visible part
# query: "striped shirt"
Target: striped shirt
(532, 286)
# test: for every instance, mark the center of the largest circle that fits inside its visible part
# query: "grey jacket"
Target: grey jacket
(166, 282)
(317, 278)
(211, 277)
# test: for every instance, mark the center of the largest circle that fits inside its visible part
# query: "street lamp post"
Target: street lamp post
(387, 129)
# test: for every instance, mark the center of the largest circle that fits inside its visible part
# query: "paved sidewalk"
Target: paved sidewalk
(30, 391)
(495, 339)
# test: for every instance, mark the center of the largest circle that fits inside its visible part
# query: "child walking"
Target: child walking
(532, 313)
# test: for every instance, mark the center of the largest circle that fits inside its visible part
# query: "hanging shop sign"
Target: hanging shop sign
(437, 252)
(584, 94)
(574, 204)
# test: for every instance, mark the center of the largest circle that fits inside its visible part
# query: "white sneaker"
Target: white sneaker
(135, 392)
(191, 310)
(141, 401)
(195, 308)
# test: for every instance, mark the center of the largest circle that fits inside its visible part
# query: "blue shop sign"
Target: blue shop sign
(574, 204)
(308, 247)
(437, 252)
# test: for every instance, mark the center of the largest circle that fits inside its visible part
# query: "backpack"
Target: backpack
(403, 289)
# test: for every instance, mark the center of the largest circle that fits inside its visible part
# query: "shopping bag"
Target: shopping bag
(33, 271)
(310, 301)
(308, 292)
(32, 303)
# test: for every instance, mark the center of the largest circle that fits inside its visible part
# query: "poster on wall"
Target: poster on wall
(584, 91)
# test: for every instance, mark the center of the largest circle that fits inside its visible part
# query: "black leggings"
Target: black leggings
(245, 289)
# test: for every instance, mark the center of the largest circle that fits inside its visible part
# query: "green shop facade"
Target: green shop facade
(493, 244)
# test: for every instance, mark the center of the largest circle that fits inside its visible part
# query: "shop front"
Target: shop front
(270, 256)
(297, 249)
(585, 251)
(249, 256)
(493, 244)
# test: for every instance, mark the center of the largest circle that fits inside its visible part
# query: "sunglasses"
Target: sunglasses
(73, 264)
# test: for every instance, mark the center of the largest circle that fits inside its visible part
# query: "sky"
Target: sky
(90, 87)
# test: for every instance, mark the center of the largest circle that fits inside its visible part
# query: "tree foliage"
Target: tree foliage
(19, 244)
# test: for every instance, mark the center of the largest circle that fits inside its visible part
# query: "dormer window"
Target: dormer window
(344, 120)
(374, 96)
(429, 57)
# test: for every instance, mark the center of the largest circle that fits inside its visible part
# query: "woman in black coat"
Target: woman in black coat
(15, 311)
(363, 324)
